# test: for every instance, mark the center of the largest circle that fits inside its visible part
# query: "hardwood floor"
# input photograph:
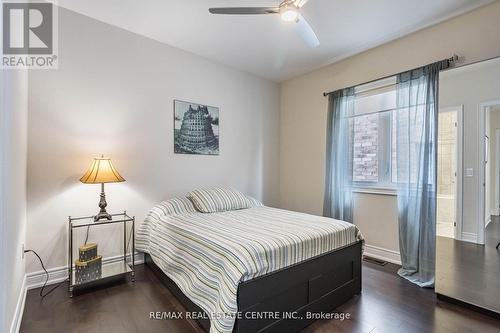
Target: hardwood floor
(387, 304)
(468, 271)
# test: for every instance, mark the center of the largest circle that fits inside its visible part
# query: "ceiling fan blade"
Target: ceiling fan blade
(300, 3)
(244, 10)
(306, 32)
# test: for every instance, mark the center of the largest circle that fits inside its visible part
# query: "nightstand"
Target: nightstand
(123, 267)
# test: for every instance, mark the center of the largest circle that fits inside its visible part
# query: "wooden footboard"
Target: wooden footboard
(283, 300)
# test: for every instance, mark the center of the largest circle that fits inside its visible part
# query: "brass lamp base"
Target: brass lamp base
(102, 215)
(102, 204)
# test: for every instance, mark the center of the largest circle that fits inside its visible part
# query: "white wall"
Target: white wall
(13, 140)
(303, 108)
(113, 94)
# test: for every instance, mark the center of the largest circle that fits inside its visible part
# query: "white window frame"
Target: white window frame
(384, 185)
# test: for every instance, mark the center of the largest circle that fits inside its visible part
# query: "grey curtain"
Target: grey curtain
(338, 194)
(416, 149)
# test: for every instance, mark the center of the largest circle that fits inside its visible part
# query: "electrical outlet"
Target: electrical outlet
(22, 251)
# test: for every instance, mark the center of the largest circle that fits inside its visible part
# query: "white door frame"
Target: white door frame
(496, 181)
(459, 161)
(481, 167)
(3, 139)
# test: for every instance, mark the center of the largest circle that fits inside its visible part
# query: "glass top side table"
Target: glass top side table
(125, 266)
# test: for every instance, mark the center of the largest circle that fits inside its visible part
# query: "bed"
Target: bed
(257, 269)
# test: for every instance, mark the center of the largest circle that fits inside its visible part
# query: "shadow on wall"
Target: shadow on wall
(50, 239)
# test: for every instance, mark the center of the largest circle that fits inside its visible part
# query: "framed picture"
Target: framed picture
(196, 128)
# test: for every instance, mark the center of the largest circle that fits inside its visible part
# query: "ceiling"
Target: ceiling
(263, 44)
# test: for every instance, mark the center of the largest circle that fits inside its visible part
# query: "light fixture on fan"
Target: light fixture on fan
(289, 11)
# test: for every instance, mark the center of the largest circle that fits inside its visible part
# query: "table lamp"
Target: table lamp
(102, 171)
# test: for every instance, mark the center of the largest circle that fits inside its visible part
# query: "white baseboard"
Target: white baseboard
(469, 237)
(18, 313)
(382, 254)
(58, 274)
(37, 279)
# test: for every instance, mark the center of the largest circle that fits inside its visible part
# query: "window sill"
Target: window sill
(376, 190)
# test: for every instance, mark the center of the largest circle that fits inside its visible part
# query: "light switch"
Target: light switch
(469, 172)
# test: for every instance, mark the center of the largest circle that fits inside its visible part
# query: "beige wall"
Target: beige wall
(376, 217)
(13, 146)
(447, 138)
(113, 94)
(446, 173)
(303, 107)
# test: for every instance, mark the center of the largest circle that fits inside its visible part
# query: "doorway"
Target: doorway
(449, 184)
(490, 177)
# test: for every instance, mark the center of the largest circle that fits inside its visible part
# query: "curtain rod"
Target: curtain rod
(451, 60)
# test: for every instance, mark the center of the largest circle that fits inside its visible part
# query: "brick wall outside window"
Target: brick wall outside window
(365, 150)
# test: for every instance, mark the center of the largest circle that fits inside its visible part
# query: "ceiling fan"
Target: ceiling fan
(289, 11)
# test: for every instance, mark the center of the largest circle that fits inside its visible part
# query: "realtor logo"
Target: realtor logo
(28, 38)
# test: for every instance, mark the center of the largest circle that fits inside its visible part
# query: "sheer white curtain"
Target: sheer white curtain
(416, 141)
(338, 180)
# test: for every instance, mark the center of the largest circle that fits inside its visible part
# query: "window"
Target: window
(373, 143)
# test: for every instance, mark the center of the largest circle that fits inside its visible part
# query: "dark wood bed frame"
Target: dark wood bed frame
(317, 285)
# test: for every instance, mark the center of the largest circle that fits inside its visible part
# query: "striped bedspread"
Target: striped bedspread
(208, 254)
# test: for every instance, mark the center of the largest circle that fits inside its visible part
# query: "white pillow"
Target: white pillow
(176, 206)
(220, 199)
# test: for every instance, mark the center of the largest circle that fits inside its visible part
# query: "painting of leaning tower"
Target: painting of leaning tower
(196, 129)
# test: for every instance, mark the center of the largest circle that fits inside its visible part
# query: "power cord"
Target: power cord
(128, 242)
(87, 236)
(42, 295)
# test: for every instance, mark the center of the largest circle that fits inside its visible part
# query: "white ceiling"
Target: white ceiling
(263, 44)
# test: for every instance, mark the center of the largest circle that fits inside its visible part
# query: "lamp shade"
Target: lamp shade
(101, 171)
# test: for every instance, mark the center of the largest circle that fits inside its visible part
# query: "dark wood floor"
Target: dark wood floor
(387, 304)
(468, 271)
